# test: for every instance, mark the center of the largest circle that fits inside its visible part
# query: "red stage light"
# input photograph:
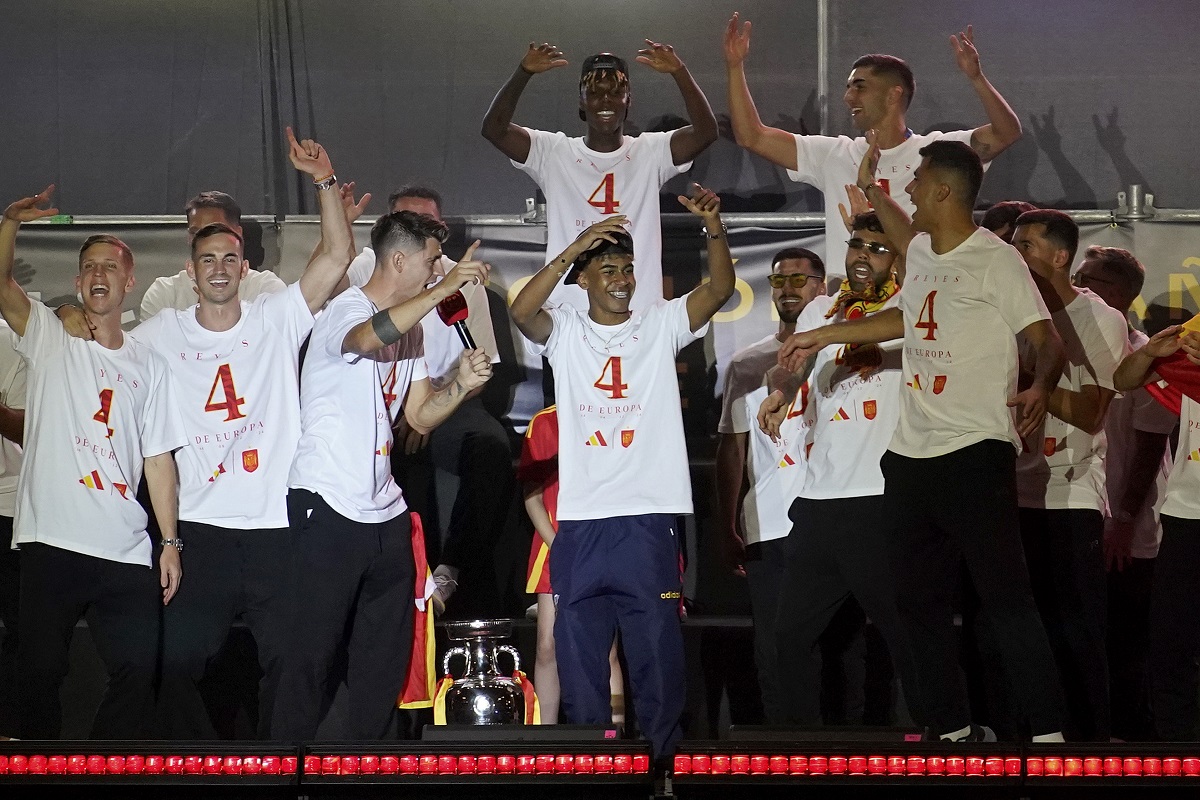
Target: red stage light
(1012, 766)
(915, 765)
(447, 765)
(349, 765)
(3, 765)
(134, 765)
(1072, 767)
(1191, 767)
(720, 765)
(974, 767)
(211, 765)
(641, 764)
(273, 765)
(1033, 766)
(407, 765)
(838, 765)
(1092, 766)
(1172, 767)
(701, 765)
(115, 765)
(1112, 767)
(428, 765)
(252, 765)
(683, 765)
(798, 765)
(739, 765)
(778, 765)
(1133, 767)
(526, 765)
(564, 765)
(818, 765)
(993, 766)
(857, 765)
(543, 764)
(368, 765)
(506, 765)
(18, 765)
(935, 765)
(896, 765)
(231, 765)
(312, 765)
(328, 765)
(485, 765)
(1152, 767)
(287, 765)
(466, 765)
(955, 765)
(584, 764)
(154, 764)
(759, 765)
(1054, 766)
(76, 765)
(37, 765)
(56, 765)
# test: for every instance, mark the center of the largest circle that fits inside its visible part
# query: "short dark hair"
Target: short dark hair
(401, 230)
(1004, 213)
(867, 221)
(623, 246)
(232, 211)
(799, 253)
(215, 229)
(895, 68)
(1060, 228)
(959, 159)
(105, 238)
(1119, 263)
(416, 190)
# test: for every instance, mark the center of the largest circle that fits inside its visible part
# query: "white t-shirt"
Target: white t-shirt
(620, 424)
(831, 162)
(94, 415)
(583, 187)
(775, 468)
(239, 397)
(347, 406)
(854, 417)
(12, 394)
(1128, 413)
(443, 348)
(179, 291)
(1183, 484)
(1061, 466)
(962, 312)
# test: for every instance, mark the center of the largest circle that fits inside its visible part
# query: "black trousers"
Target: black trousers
(955, 508)
(837, 548)
(1128, 648)
(122, 604)
(765, 566)
(351, 591)
(1066, 571)
(1175, 630)
(230, 574)
(10, 593)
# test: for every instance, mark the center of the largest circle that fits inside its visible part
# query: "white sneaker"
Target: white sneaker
(444, 587)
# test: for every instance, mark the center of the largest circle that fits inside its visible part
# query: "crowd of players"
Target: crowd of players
(944, 432)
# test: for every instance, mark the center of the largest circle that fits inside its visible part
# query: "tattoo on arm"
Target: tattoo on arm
(384, 328)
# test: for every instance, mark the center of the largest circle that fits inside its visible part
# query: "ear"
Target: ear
(191, 270)
(1062, 259)
(245, 268)
(397, 261)
(895, 96)
(943, 193)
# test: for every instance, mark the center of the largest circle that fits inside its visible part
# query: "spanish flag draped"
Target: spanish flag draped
(1179, 376)
(420, 680)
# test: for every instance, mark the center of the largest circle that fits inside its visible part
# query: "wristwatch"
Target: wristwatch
(712, 235)
(176, 543)
(327, 183)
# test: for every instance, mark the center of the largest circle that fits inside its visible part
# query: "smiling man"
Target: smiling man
(586, 179)
(879, 90)
(99, 412)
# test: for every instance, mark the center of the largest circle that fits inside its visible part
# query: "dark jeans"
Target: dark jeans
(122, 604)
(351, 591)
(230, 574)
(959, 507)
(10, 593)
(1128, 648)
(1175, 630)
(838, 548)
(1066, 572)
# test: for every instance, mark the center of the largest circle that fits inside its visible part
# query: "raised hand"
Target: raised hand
(353, 210)
(1190, 342)
(474, 369)
(772, 411)
(737, 41)
(309, 157)
(1032, 403)
(704, 203)
(542, 58)
(469, 270)
(870, 162)
(798, 348)
(659, 57)
(1164, 343)
(858, 205)
(965, 53)
(26, 209)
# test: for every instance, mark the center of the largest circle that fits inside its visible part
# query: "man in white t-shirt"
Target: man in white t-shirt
(586, 179)
(12, 433)
(949, 471)
(236, 365)
(623, 469)
(1174, 624)
(471, 445)
(179, 290)
(840, 541)
(1136, 465)
(878, 93)
(753, 543)
(353, 573)
(1060, 473)
(98, 413)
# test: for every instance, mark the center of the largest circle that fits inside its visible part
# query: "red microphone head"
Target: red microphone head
(453, 309)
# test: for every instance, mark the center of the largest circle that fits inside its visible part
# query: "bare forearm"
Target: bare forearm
(896, 223)
(535, 507)
(12, 424)
(700, 113)
(1142, 473)
(500, 113)
(327, 267)
(14, 303)
(386, 327)
(731, 460)
(438, 407)
(778, 147)
(1005, 125)
(1134, 371)
(1084, 410)
(163, 485)
(872, 329)
(1051, 357)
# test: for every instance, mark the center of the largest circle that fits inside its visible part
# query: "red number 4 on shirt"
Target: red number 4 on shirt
(612, 368)
(609, 204)
(925, 318)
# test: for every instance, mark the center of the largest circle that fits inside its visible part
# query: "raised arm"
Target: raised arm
(328, 263)
(706, 299)
(14, 303)
(1049, 358)
(773, 144)
(498, 127)
(896, 223)
(689, 141)
(425, 409)
(1003, 126)
(527, 308)
(162, 482)
(882, 326)
(1137, 368)
(387, 326)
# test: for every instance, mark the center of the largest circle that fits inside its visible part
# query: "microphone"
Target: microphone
(454, 312)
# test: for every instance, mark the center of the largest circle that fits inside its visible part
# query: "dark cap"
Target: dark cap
(623, 246)
(603, 61)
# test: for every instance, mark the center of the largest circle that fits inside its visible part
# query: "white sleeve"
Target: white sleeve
(289, 310)
(679, 326)
(159, 295)
(811, 154)
(959, 136)
(560, 317)
(259, 282)
(360, 269)
(162, 429)
(1109, 345)
(44, 334)
(541, 146)
(1008, 286)
(734, 418)
(667, 168)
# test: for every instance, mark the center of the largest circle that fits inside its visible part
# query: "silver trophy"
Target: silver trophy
(483, 695)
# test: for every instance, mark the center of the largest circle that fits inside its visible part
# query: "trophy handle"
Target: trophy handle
(451, 653)
(512, 651)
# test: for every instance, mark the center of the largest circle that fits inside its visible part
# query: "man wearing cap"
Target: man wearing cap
(623, 469)
(586, 179)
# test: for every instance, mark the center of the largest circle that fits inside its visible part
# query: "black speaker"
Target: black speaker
(519, 733)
